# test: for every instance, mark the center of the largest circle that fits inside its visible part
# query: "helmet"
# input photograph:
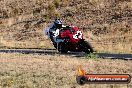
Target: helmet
(58, 23)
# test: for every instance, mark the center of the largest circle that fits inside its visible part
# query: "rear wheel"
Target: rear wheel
(55, 45)
(62, 48)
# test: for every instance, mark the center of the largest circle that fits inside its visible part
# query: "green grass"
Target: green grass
(92, 56)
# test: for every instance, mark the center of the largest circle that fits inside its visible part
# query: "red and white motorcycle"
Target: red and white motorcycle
(72, 40)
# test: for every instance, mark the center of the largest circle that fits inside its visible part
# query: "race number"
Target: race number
(56, 33)
(78, 35)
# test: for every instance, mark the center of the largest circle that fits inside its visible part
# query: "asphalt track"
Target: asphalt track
(75, 54)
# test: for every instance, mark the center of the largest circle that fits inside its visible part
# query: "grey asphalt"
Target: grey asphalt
(76, 54)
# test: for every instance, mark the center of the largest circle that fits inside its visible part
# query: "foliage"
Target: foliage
(92, 56)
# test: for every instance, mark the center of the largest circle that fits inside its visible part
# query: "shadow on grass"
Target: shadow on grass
(42, 51)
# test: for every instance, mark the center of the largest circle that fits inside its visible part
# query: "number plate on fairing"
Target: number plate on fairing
(78, 35)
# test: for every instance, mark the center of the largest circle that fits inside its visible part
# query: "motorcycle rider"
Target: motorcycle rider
(74, 34)
(53, 31)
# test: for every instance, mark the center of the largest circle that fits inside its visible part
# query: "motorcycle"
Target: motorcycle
(72, 40)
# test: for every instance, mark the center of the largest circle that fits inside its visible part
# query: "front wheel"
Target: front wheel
(86, 47)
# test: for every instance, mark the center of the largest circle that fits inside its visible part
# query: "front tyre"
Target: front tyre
(86, 47)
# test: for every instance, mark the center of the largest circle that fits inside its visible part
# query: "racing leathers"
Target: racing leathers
(53, 33)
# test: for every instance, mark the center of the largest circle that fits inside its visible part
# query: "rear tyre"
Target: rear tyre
(62, 48)
(55, 45)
